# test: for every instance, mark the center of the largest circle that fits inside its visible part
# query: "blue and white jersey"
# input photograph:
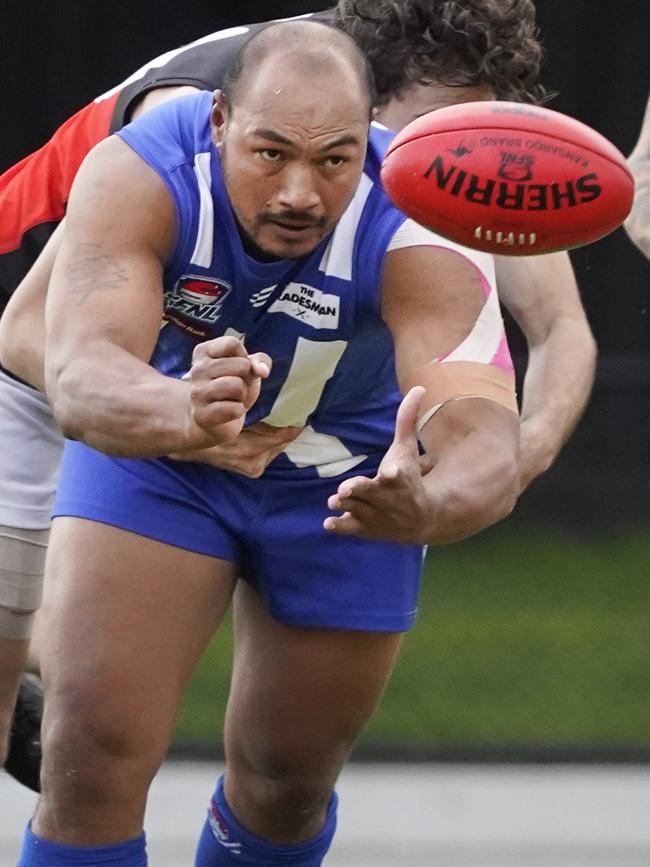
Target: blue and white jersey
(333, 367)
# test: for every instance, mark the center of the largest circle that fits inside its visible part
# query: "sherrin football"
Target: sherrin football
(508, 178)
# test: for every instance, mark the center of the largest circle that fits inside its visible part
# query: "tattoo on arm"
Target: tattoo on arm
(91, 270)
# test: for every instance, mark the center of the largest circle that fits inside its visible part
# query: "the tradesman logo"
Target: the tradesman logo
(311, 306)
(194, 304)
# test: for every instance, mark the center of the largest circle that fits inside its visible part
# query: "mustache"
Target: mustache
(300, 218)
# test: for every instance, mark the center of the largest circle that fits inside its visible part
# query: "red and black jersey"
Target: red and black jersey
(34, 192)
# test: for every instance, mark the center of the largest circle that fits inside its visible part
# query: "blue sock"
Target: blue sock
(43, 853)
(224, 842)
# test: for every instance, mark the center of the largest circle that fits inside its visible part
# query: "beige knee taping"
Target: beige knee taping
(16, 625)
(22, 563)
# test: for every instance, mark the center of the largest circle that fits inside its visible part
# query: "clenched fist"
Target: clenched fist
(224, 384)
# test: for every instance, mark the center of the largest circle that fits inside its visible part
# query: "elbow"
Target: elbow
(474, 508)
(61, 387)
(500, 498)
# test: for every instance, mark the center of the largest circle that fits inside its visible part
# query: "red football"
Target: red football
(508, 178)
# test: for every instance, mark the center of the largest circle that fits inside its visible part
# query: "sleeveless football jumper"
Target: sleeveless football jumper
(318, 318)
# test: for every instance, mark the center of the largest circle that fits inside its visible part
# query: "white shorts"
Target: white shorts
(30, 451)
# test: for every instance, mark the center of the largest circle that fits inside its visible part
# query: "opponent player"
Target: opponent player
(637, 224)
(261, 219)
(482, 51)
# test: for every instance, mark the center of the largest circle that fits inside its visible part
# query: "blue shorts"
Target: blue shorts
(272, 528)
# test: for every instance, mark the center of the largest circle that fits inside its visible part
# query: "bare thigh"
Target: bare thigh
(127, 618)
(299, 699)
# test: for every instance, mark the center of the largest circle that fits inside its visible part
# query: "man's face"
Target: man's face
(420, 99)
(292, 151)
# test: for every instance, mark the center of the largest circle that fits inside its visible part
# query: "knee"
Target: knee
(92, 751)
(289, 792)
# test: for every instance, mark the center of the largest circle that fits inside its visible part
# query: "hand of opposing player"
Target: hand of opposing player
(224, 383)
(394, 504)
(249, 454)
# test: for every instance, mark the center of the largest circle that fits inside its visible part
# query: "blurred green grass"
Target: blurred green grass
(520, 639)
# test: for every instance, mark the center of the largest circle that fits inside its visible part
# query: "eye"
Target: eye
(273, 155)
(335, 161)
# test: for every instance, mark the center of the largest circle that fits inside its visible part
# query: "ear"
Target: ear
(218, 117)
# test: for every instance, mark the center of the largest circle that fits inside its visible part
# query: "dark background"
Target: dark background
(56, 57)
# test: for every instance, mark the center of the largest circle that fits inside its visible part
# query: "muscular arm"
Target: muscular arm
(542, 295)
(103, 314)
(637, 224)
(22, 327)
(431, 301)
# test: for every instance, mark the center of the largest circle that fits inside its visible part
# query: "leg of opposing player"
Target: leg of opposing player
(299, 699)
(127, 619)
(30, 447)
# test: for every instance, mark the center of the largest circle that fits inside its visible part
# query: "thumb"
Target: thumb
(260, 364)
(408, 412)
(405, 438)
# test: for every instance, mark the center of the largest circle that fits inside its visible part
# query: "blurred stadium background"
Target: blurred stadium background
(532, 640)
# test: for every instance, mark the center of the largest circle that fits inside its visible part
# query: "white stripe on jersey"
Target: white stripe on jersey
(484, 340)
(326, 453)
(313, 364)
(412, 234)
(337, 259)
(204, 246)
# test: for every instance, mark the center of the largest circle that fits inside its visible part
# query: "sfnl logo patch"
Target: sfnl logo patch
(194, 304)
(311, 306)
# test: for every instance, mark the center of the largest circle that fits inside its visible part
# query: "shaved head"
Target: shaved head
(291, 129)
(310, 47)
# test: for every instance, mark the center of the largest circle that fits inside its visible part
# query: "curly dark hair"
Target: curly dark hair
(454, 42)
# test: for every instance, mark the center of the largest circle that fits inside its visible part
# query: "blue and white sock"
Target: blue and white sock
(224, 842)
(37, 852)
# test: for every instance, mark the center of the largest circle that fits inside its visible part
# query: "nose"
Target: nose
(298, 190)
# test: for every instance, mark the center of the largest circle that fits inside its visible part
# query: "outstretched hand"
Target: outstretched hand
(393, 505)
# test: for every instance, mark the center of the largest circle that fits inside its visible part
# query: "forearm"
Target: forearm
(22, 328)
(23, 357)
(557, 387)
(637, 225)
(472, 486)
(118, 404)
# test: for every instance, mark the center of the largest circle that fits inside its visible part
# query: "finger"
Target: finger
(345, 525)
(389, 472)
(215, 414)
(221, 347)
(205, 368)
(357, 487)
(222, 388)
(260, 364)
(406, 421)
(360, 510)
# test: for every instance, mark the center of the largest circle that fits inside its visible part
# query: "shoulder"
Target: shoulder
(171, 134)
